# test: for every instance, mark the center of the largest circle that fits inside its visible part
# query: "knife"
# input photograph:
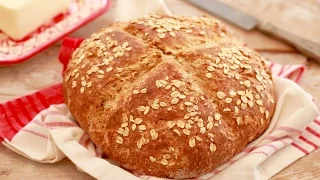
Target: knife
(247, 22)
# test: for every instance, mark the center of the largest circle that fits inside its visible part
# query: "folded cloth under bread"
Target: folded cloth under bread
(40, 127)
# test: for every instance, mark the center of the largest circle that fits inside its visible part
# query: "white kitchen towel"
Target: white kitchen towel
(293, 133)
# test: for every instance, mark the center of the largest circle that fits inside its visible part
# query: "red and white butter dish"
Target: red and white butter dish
(78, 14)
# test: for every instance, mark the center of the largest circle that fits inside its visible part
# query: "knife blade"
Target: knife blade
(245, 21)
(226, 12)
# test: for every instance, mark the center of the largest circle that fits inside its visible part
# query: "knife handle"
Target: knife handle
(309, 48)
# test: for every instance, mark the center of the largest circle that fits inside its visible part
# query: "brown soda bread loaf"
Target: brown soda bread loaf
(169, 96)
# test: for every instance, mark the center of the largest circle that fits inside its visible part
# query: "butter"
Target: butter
(19, 18)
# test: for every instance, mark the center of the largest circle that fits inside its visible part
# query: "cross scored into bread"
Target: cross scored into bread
(169, 96)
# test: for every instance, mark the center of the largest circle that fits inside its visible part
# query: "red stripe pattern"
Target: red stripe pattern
(289, 129)
(300, 148)
(308, 142)
(35, 133)
(312, 131)
(61, 124)
(15, 114)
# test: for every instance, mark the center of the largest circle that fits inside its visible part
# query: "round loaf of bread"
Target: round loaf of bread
(169, 96)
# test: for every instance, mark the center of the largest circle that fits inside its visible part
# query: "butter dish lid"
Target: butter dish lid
(78, 14)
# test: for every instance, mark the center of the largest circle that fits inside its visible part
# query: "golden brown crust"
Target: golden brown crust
(169, 96)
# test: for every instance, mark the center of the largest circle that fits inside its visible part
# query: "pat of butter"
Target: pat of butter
(19, 18)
